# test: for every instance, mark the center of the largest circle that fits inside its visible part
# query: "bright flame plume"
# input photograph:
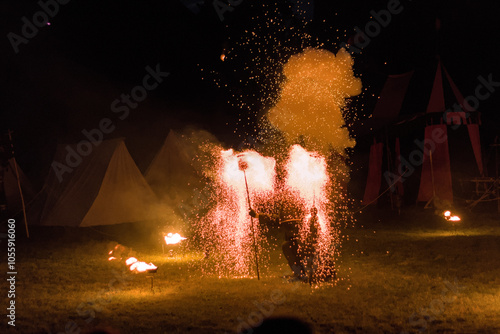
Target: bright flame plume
(173, 238)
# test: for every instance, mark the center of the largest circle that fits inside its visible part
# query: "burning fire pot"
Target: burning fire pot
(142, 267)
(119, 252)
(452, 219)
(171, 242)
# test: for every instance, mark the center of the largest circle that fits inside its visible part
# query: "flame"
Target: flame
(111, 258)
(449, 217)
(173, 238)
(259, 172)
(139, 266)
(307, 175)
(142, 266)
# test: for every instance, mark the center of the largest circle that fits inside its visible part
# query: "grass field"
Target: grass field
(408, 274)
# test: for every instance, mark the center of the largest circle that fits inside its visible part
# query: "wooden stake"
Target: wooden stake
(19, 184)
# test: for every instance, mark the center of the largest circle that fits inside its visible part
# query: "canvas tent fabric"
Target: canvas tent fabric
(392, 96)
(399, 185)
(105, 188)
(436, 171)
(436, 176)
(11, 187)
(171, 173)
(445, 108)
(375, 174)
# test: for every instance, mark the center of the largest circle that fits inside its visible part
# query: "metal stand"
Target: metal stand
(152, 282)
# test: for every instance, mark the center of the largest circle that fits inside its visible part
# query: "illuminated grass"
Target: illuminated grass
(385, 278)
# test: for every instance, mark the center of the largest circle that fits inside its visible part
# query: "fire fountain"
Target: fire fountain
(310, 109)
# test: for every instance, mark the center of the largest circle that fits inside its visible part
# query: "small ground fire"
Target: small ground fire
(120, 252)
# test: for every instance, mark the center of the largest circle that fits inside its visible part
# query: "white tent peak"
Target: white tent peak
(106, 188)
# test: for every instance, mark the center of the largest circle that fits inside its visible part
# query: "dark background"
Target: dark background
(64, 80)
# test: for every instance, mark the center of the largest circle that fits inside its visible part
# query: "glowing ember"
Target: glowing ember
(119, 252)
(173, 238)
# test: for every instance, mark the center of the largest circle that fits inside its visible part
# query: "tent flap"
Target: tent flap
(436, 171)
(374, 174)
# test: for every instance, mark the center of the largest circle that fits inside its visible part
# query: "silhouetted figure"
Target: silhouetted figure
(297, 251)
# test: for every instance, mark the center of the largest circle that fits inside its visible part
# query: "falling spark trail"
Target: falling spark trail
(307, 180)
(229, 226)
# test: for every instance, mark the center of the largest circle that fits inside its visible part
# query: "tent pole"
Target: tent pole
(252, 229)
(497, 165)
(432, 179)
(389, 164)
(19, 184)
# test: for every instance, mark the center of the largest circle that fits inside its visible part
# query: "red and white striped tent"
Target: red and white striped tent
(427, 138)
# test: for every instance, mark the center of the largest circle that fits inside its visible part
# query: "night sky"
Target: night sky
(65, 78)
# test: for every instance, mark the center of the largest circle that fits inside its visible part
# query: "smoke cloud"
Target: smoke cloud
(310, 107)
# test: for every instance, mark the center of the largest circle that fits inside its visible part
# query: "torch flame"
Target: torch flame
(449, 217)
(142, 266)
(139, 266)
(173, 238)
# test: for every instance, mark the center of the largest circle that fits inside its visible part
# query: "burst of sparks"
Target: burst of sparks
(229, 225)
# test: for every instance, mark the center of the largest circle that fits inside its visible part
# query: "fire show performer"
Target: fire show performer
(299, 252)
(310, 245)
